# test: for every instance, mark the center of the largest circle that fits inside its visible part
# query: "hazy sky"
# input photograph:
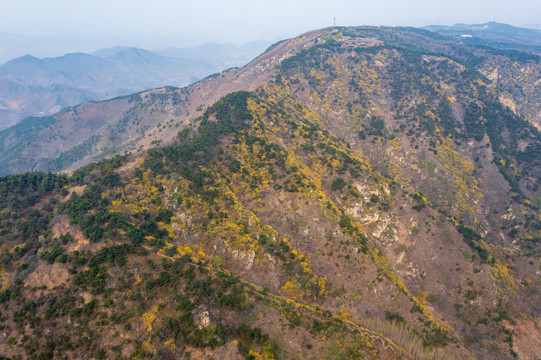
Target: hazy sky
(197, 21)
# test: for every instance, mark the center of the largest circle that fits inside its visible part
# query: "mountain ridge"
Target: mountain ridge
(228, 78)
(208, 90)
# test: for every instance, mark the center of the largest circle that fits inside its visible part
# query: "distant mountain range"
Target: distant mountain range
(493, 34)
(30, 86)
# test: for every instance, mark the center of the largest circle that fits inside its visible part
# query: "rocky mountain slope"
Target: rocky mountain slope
(30, 86)
(351, 193)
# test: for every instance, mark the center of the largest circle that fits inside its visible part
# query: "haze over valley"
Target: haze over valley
(30, 86)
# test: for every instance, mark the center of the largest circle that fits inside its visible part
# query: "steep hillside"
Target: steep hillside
(258, 234)
(521, 85)
(361, 197)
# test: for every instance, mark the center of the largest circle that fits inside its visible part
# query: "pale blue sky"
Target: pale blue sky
(55, 27)
(245, 20)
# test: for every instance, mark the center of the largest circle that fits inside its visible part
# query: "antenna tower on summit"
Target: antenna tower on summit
(335, 21)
